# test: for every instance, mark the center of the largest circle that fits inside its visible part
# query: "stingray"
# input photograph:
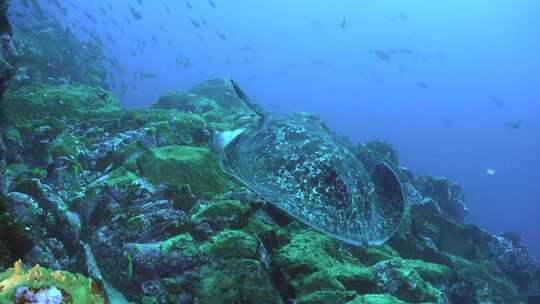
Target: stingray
(297, 164)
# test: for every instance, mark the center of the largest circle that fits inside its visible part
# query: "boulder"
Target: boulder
(181, 165)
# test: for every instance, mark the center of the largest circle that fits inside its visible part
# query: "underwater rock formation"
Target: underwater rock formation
(134, 199)
(7, 49)
(94, 188)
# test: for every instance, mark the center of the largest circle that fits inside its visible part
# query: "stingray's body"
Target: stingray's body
(298, 165)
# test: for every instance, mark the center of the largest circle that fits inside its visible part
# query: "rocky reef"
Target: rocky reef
(134, 200)
(8, 53)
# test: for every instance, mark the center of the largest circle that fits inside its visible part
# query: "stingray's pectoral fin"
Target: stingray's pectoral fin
(222, 139)
(390, 201)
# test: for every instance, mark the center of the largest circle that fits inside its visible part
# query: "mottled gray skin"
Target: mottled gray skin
(297, 164)
(7, 50)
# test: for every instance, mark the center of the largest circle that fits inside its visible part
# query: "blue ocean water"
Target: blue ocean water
(454, 86)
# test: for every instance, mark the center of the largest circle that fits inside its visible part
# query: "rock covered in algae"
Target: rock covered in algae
(214, 100)
(157, 242)
(179, 165)
(18, 285)
(236, 275)
(40, 102)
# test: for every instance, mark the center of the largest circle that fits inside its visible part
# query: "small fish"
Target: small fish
(441, 56)
(343, 23)
(144, 75)
(496, 101)
(491, 172)
(423, 85)
(62, 10)
(111, 39)
(245, 48)
(135, 13)
(183, 62)
(195, 23)
(402, 69)
(512, 125)
(212, 3)
(188, 5)
(203, 22)
(447, 123)
(89, 17)
(221, 35)
(382, 55)
(405, 51)
(317, 62)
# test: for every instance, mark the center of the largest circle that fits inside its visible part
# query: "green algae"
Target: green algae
(376, 299)
(316, 262)
(229, 213)
(65, 145)
(481, 274)
(39, 102)
(149, 300)
(180, 165)
(327, 297)
(371, 255)
(30, 186)
(413, 280)
(80, 289)
(312, 251)
(179, 128)
(230, 244)
(236, 281)
(184, 242)
(120, 178)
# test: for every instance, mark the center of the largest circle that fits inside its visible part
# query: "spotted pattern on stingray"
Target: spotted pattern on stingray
(297, 164)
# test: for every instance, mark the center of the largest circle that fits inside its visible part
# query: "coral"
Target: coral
(74, 287)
